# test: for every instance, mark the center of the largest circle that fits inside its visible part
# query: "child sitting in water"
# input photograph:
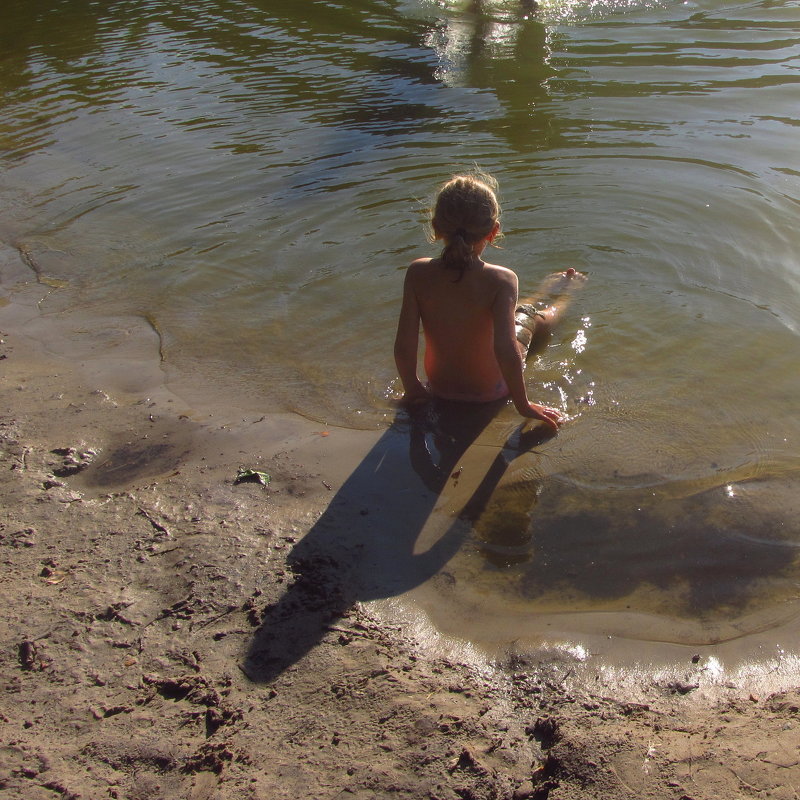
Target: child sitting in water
(476, 334)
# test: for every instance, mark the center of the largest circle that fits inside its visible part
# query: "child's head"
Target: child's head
(465, 213)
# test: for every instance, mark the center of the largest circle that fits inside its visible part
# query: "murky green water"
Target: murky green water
(249, 178)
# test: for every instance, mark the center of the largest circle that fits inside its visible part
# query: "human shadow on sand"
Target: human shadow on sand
(363, 546)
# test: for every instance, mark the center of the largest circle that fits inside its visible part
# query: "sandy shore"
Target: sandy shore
(169, 635)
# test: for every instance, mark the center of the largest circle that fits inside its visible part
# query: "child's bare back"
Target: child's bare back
(458, 321)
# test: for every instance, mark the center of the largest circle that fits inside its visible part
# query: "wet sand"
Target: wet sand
(171, 633)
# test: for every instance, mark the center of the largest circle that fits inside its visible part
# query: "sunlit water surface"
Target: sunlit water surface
(250, 178)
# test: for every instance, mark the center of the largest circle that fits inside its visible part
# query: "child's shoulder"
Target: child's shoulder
(499, 274)
(420, 267)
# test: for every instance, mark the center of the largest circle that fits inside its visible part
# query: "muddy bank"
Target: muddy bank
(167, 635)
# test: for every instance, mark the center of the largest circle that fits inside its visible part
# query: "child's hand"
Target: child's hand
(551, 416)
(415, 397)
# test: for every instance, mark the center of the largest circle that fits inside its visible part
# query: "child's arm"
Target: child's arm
(406, 344)
(510, 356)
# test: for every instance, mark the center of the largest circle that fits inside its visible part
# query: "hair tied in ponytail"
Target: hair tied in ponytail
(466, 211)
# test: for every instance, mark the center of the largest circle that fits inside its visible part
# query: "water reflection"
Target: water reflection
(505, 52)
(704, 557)
(57, 34)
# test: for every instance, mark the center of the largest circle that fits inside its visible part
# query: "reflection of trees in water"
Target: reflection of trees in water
(375, 67)
(55, 32)
(56, 60)
(476, 43)
(69, 38)
(505, 50)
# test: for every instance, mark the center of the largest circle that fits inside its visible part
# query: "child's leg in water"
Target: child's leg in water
(538, 315)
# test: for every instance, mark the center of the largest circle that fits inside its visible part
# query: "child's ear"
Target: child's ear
(495, 230)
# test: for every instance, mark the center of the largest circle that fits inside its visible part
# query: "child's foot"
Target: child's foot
(560, 283)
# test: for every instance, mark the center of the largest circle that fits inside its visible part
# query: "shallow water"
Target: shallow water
(249, 178)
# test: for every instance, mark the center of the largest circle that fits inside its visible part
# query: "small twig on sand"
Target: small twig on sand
(228, 610)
(168, 550)
(154, 522)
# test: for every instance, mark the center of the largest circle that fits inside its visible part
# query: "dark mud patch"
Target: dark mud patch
(138, 457)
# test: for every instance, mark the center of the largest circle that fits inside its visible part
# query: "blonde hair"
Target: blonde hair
(465, 212)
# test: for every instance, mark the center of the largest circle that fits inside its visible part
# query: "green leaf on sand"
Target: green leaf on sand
(253, 475)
